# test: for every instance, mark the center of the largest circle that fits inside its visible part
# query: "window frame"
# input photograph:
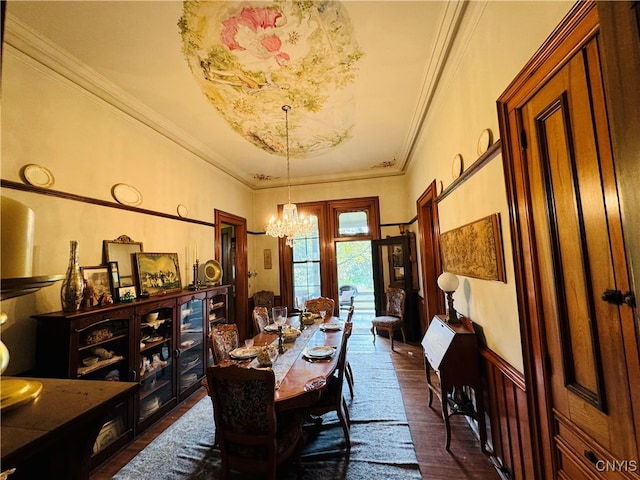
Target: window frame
(328, 221)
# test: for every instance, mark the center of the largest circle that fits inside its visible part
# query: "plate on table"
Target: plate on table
(244, 353)
(272, 327)
(319, 351)
(330, 326)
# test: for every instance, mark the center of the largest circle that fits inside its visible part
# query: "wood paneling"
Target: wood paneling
(508, 416)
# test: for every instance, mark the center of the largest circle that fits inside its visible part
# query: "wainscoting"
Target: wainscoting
(509, 417)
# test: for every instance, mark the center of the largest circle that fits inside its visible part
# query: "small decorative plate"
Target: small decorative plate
(126, 194)
(457, 166)
(319, 351)
(182, 211)
(330, 326)
(38, 176)
(485, 140)
(212, 271)
(187, 343)
(244, 353)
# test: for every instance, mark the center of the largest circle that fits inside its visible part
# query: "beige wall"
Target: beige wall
(496, 40)
(89, 146)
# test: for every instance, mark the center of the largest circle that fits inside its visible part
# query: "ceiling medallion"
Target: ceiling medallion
(290, 225)
(251, 57)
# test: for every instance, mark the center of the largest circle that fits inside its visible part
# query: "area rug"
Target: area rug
(381, 445)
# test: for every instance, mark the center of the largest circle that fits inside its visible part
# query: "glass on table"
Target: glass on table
(279, 315)
(248, 342)
(322, 314)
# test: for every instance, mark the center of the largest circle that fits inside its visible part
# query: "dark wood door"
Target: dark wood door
(578, 254)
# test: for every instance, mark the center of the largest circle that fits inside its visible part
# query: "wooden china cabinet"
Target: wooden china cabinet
(160, 342)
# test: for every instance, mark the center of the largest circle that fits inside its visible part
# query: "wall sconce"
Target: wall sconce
(448, 283)
(252, 274)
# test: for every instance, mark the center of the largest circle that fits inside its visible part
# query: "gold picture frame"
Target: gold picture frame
(267, 259)
(474, 250)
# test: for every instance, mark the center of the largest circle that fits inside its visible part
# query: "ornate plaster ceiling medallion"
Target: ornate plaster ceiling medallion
(249, 58)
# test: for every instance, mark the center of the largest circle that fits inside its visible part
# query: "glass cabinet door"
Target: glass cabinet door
(155, 366)
(191, 342)
(103, 350)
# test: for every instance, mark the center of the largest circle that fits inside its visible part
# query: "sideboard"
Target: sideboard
(160, 342)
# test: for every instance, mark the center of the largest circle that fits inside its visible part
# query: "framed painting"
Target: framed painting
(157, 273)
(474, 250)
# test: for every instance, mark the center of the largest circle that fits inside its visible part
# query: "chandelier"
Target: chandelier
(290, 225)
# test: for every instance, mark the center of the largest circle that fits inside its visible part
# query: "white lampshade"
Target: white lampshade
(448, 282)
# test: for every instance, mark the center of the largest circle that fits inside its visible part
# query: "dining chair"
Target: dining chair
(264, 298)
(348, 373)
(260, 319)
(331, 399)
(224, 339)
(347, 294)
(393, 318)
(251, 437)
(319, 304)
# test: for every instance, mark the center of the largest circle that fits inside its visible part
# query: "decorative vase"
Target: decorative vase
(72, 285)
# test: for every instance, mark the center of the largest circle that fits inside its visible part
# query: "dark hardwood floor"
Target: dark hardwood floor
(464, 460)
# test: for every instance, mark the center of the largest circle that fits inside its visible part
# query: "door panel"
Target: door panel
(579, 253)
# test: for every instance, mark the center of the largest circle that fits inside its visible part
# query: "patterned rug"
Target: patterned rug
(381, 445)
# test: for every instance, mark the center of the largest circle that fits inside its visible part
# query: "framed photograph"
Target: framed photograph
(97, 285)
(121, 250)
(158, 273)
(267, 259)
(115, 277)
(126, 294)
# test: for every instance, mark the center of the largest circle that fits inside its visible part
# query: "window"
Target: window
(306, 266)
(351, 224)
(309, 269)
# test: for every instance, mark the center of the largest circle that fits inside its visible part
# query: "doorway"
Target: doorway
(355, 280)
(231, 252)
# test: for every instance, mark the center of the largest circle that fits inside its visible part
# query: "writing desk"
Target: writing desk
(53, 436)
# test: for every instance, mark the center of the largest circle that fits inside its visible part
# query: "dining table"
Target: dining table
(300, 378)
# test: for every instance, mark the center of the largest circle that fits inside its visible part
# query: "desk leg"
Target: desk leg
(427, 369)
(445, 412)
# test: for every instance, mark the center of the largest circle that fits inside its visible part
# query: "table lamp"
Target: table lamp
(448, 283)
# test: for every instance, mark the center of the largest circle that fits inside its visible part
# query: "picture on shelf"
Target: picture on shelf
(97, 286)
(158, 273)
(126, 294)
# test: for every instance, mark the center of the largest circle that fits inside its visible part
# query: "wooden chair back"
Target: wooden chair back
(264, 298)
(260, 319)
(316, 305)
(245, 417)
(224, 339)
(395, 302)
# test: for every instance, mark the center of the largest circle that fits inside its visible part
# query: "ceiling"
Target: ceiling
(358, 76)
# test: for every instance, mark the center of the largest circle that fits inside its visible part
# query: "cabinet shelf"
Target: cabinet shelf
(102, 342)
(150, 345)
(82, 371)
(145, 392)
